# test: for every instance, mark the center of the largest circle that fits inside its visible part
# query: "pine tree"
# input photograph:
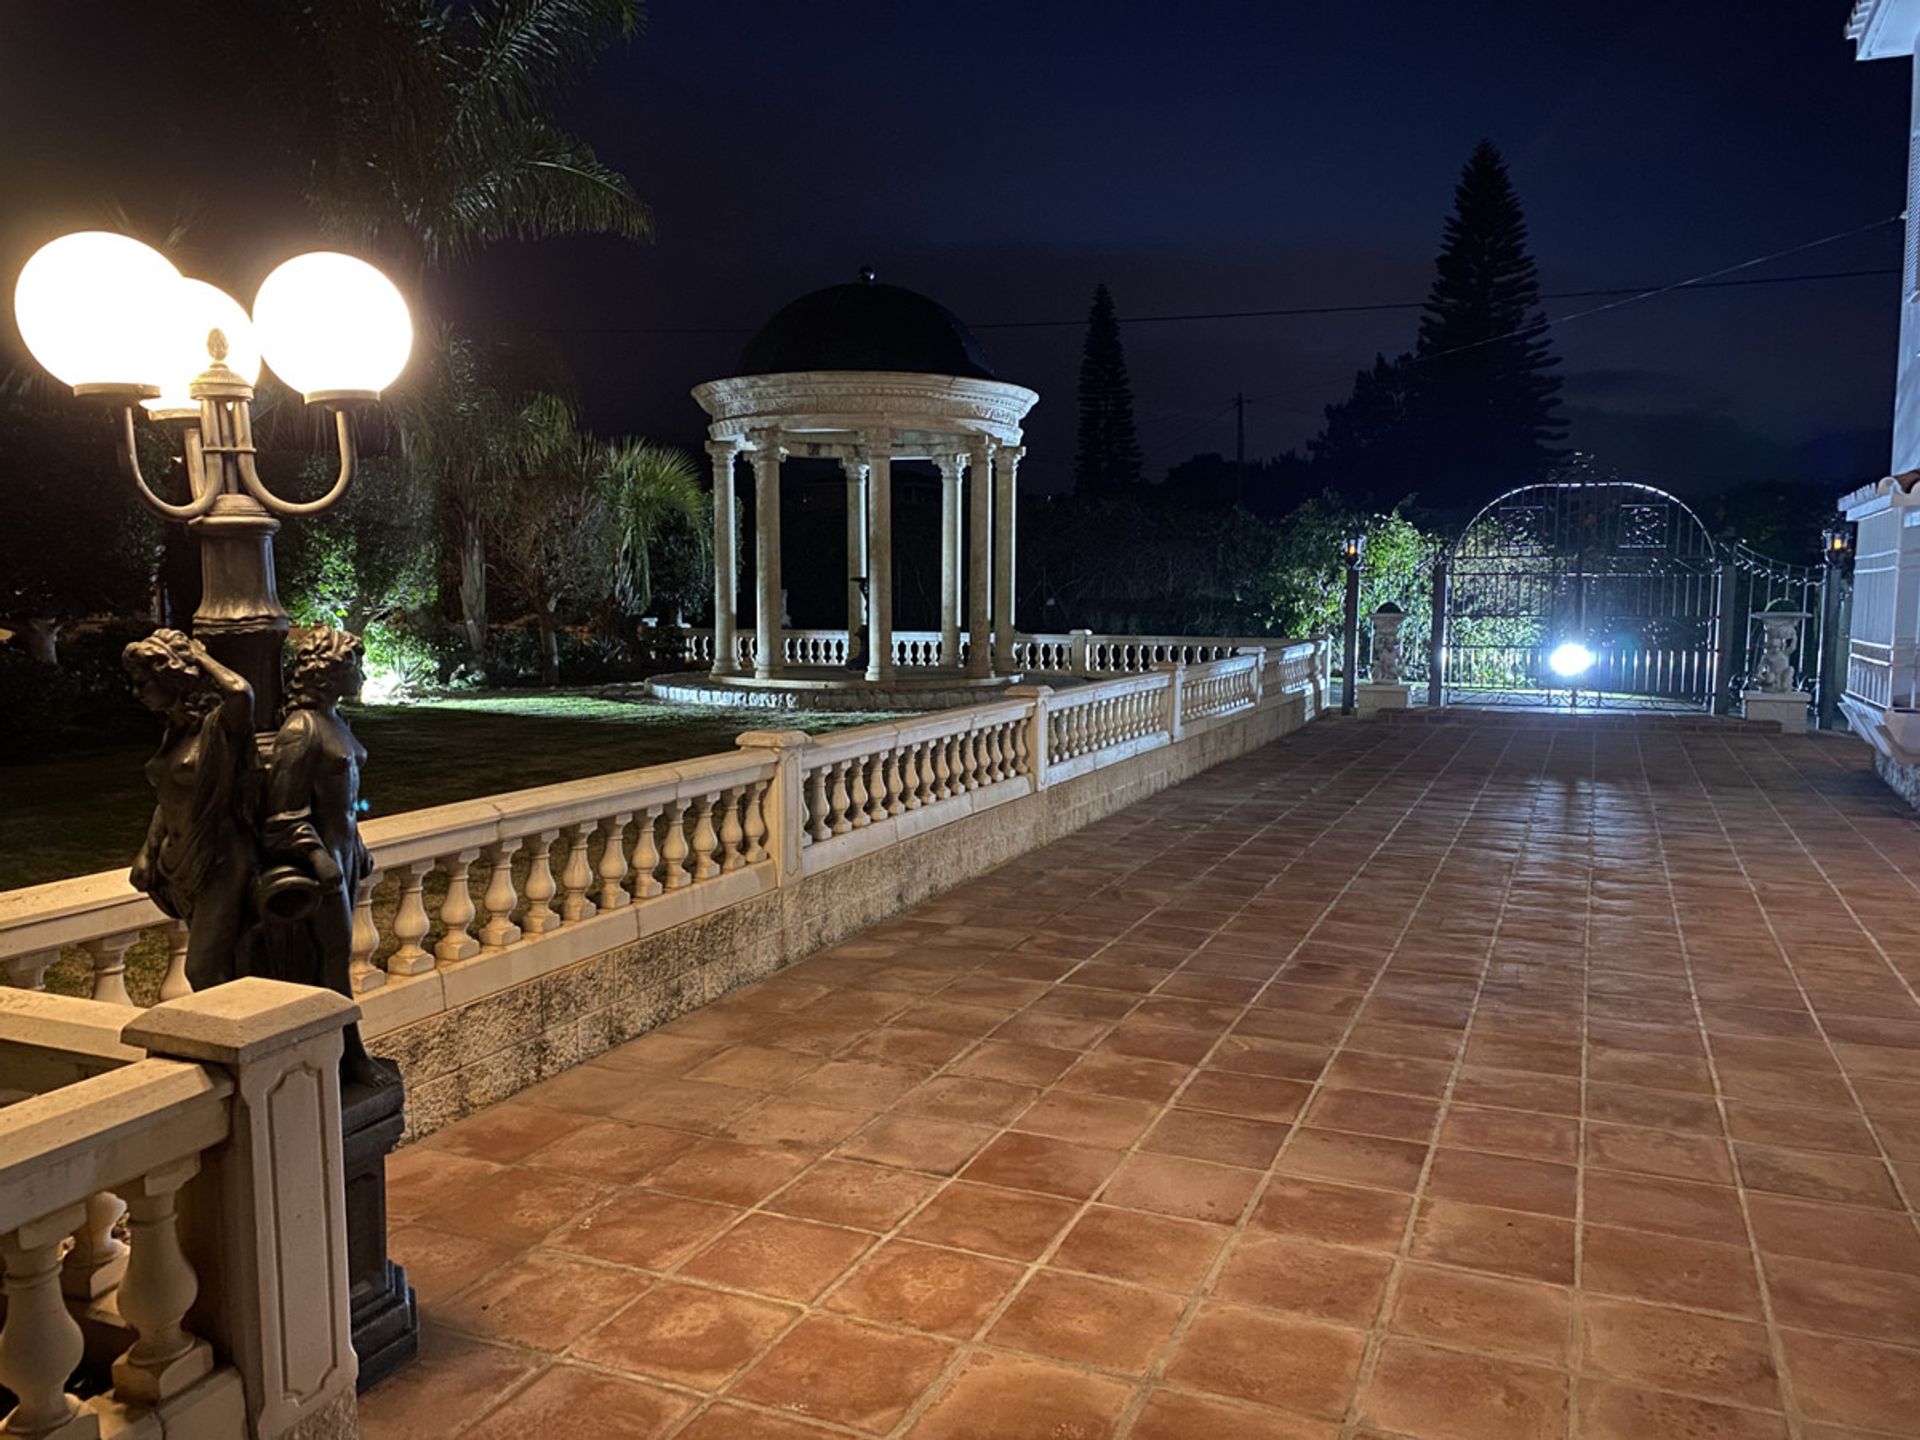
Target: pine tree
(1108, 459)
(1483, 397)
(1364, 449)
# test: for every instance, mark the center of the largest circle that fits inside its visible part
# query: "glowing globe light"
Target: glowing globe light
(1570, 659)
(201, 309)
(96, 310)
(333, 326)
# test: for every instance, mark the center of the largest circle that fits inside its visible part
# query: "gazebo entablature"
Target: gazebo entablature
(866, 420)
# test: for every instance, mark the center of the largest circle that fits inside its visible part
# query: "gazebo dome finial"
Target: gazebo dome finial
(864, 325)
(868, 275)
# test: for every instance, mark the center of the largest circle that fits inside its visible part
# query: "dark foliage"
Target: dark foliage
(1107, 461)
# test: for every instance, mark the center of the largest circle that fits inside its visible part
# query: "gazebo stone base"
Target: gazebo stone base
(1370, 699)
(823, 689)
(1788, 710)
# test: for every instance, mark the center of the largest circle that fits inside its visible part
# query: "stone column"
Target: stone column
(855, 469)
(726, 644)
(1006, 487)
(767, 456)
(979, 521)
(880, 555)
(950, 557)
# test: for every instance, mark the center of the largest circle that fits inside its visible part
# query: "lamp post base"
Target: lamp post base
(385, 1318)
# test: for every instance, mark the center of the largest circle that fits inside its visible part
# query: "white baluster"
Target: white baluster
(498, 931)
(857, 793)
(839, 823)
(910, 777)
(646, 855)
(756, 822)
(410, 923)
(457, 911)
(675, 850)
(361, 970)
(891, 777)
(818, 825)
(613, 862)
(159, 1288)
(174, 983)
(28, 971)
(40, 1345)
(109, 955)
(577, 874)
(877, 787)
(704, 838)
(538, 916)
(97, 1260)
(942, 773)
(731, 831)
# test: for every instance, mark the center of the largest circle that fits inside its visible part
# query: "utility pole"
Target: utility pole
(1240, 450)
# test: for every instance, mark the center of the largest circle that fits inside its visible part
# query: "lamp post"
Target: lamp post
(1836, 545)
(254, 846)
(1350, 549)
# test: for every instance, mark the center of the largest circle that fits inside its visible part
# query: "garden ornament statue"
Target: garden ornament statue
(1387, 621)
(1779, 631)
(254, 841)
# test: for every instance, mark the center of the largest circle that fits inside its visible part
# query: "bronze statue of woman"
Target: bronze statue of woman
(310, 833)
(200, 858)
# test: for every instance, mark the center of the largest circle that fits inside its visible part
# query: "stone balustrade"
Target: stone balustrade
(210, 1125)
(489, 900)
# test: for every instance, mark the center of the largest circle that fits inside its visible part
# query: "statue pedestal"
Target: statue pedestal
(1371, 699)
(385, 1321)
(1787, 708)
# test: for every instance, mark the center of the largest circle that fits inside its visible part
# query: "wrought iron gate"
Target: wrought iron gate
(1600, 588)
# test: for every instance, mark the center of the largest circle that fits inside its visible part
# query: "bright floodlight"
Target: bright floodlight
(94, 308)
(1570, 659)
(333, 326)
(200, 310)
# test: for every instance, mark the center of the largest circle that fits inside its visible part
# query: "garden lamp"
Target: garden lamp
(113, 319)
(1836, 541)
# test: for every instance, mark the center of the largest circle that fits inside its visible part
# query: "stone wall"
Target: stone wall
(461, 1059)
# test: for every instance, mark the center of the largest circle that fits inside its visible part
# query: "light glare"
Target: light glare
(1570, 659)
(95, 309)
(200, 309)
(330, 324)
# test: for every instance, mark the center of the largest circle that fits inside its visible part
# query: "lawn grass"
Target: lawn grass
(84, 812)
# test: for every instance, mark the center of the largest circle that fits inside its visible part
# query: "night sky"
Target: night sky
(1207, 156)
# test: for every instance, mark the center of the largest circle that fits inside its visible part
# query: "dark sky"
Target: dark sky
(1206, 156)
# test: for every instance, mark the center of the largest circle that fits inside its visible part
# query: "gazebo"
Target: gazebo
(866, 374)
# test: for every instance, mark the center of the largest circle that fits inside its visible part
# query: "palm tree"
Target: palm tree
(650, 489)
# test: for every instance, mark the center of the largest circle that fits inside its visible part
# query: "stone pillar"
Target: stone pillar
(855, 469)
(980, 523)
(880, 555)
(950, 557)
(767, 456)
(1006, 486)
(726, 644)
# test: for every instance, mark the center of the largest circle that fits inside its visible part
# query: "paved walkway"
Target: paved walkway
(1459, 1081)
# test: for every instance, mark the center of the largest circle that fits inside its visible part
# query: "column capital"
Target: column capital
(877, 440)
(981, 449)
(723, 450)
(950, 466)
(1013, 454)
(855, 467)
(769, 442)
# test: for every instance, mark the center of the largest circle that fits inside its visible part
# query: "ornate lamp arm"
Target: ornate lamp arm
(349, 460)
(129, 453)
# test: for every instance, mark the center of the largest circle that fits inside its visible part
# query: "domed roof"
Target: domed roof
(865, 326)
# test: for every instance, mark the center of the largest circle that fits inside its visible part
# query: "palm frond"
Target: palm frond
(522, 52)
(530, 180)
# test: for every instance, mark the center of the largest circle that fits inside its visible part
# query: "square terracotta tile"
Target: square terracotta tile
(1014, 1224)
(840, 1192)
(681, 1104)
(1371, 1112)
(1670, 1270)
(1224, 1139)
(967, 1099)
(686, 1334)
(1433, 1394)
(1810, 1175)
(453, 1381)
(1020, 1161)
(1504, 1180)
(795, 1125)
(1611, 1411)
(1298, 1365)
(1853, 1382)
(1670, 1207)
(916, 1142)
(848, 1373)
(727, 1172)
(1146, 1249)
(1015, 1062)
(1087, 1322)
(1015, 1399)
(1174, 1415)
(1396, 1074)
(646, 1229)
(1844, 1300)
(1255, 1097)
(1142, 1041)
(1502, 1242)
(504, 1133)
(778, 1256)
(1723, 1360)
(1172, 1185)
(421, 1182)
(1353, 1159)
(1516, 1318)
(753, 1067)
(908, 1046)
(1305, 1209)
(1124, 1078)
(855, 1085)
(1842, 1234)
(1095, 1119)
(1511, 1132)
(543, 1300)
(440, 1264)
(622, 1409)
(739, 1422)
(1322, 1281)
(1659, 1152)
(926, 1287)
(520, 1206)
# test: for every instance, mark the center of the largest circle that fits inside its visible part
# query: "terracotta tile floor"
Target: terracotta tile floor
(1460, 1081)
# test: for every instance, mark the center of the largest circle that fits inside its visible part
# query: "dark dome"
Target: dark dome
(865, 326)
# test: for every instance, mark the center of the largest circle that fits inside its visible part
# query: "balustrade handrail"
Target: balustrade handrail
(865, 739)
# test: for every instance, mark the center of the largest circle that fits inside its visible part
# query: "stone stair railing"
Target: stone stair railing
(210, 1125)
(472, 898)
